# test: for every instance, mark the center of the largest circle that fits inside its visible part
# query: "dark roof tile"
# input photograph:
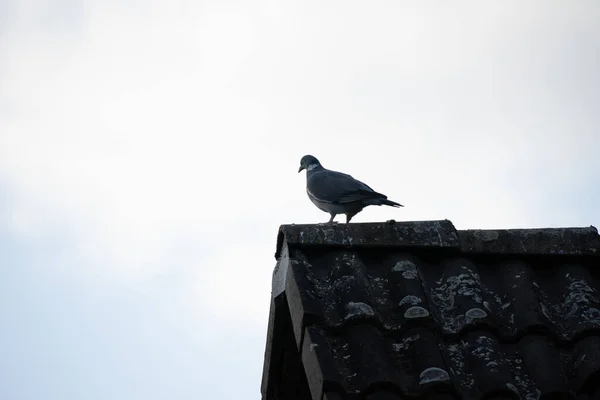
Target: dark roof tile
(442, 234)
(421, 234)
(584, 365)
(542, 360)
(382, 310)
(559, 241)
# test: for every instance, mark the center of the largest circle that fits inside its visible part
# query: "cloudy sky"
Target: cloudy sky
(149, 152)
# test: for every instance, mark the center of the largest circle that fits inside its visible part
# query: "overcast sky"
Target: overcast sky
(149, 152)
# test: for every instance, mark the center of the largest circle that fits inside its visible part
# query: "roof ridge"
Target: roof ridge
(442, 234)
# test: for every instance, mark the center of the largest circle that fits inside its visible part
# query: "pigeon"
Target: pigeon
(338, 193)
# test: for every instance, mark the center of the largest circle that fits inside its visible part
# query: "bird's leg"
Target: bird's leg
(331, 219)
(349, 217)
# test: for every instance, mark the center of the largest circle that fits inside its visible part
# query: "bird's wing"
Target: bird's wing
(336, 187)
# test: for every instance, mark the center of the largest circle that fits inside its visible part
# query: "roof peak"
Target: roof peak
(442, 234)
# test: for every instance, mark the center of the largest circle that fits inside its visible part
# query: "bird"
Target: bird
(337, 193)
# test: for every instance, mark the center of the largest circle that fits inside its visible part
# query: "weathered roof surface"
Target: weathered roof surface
(573, 241)
(422, 310)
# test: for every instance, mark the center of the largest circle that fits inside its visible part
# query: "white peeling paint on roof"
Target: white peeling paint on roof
(358, 309)
(512, 387)
(344, 282)
(457, 361)
(416, 312)
(410, 299)
(444, 296)
(475, 313)
(433, 374)
(484, 352)
(406, 342)
(408, 269)
(579, 301)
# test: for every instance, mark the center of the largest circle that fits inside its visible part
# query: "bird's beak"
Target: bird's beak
(300, 169)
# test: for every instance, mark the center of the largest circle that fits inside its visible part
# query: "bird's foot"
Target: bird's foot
(327, 223)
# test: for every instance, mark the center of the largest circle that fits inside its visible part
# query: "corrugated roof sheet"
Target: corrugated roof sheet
(422, 310)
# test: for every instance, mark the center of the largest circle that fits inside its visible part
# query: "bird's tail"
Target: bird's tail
(390, 203)
(378, 199)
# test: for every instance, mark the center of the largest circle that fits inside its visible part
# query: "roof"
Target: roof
(422, 310)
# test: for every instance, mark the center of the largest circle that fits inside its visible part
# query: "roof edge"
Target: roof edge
(539, 241)
(443, 234)
(436, 233)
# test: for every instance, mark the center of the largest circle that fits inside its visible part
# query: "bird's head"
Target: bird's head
(308, 162)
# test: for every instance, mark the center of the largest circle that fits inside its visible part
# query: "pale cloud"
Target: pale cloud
(148, 154)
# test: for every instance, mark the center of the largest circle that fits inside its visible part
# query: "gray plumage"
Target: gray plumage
(338, 193)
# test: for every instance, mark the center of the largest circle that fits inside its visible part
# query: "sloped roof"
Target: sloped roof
(422, 310)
